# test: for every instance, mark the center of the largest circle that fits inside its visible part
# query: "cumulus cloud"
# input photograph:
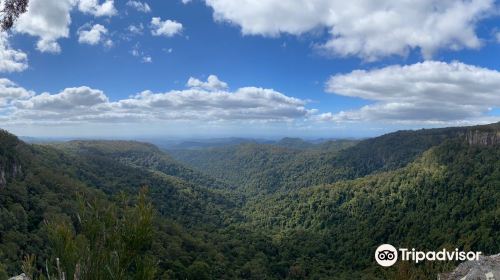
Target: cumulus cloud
(68, 99)
(48, 20)
(9, 91)
(166, 28)
(92, 36)
(213, 83)
(139, 6)
(107, 8)
(364, 28)
(70, 105)
(249, 103)
(84, 104)
(430, 91)
(11, 60)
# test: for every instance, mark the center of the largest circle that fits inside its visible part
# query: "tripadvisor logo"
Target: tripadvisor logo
(387, 255)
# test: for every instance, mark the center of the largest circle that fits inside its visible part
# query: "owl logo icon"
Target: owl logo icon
(386, 255)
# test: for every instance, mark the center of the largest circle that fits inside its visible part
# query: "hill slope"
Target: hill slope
(48, 188)
(448, 198)
(142, 155)
(267, 168)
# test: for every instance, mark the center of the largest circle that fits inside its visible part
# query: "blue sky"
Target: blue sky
(281, 68)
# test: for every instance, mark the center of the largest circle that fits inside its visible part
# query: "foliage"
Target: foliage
(10, 11)
(446, 199)
(264, 168)
(106, 241)
(283, 212)
(261, 168)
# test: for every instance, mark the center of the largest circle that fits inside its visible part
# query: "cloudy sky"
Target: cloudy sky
(261, 68)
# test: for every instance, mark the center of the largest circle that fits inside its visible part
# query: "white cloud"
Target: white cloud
(70, 105)
(84, 105)
(48, 46)
(109, 43)
(185, 1)
(9, 91)
(137, 52)
(249, 103)
(213, 83)
(92, 36)
(136, 29)
(139, 6)
(364, 28)
(94, 8)
(166, 28)
(47, 19)
(68, 99)
(430, 91)
(11, 60)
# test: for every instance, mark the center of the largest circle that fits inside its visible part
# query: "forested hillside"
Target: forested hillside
(261, 168)
(264, 167)
(447, 198)
(286, 210)
(47, 194)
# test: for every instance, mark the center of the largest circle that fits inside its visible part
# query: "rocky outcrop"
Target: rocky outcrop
(3, 180)
(9, 172)
(12, 153)
(20, 277)
(486, 268)
(483, 137)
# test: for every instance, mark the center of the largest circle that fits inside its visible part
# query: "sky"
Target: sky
(249, 68)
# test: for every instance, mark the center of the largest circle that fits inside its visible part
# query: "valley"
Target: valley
(248, 210)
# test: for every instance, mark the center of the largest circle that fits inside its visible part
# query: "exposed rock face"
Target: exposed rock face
(20, 277)
(8, 173)
(3, 181)
(482, 137)
(12, 154)
(486, 268)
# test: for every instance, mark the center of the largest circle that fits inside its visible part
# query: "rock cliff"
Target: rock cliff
(486, 268)
(20, 277)
(483, 137)
(12, 154)
(9, 171)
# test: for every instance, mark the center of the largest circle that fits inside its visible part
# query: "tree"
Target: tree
(108, 241)
(3, 272)
(12, 9)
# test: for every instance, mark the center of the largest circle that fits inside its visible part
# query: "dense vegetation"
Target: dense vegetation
(432, 203)
(287, 164)
(266, 167)
(283, 210)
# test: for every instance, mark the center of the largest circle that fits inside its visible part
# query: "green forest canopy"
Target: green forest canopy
(247, 211)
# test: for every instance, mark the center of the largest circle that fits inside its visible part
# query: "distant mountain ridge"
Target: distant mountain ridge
(264, 167)
(138, 154)
(286, 166)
